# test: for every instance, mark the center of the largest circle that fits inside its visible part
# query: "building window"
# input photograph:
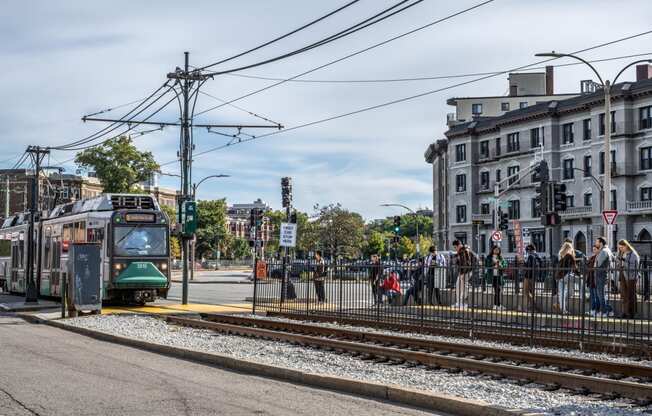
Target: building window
(536, 212)
(504, 106)
(613, 162)
(588, 199)
(461, 213)
(513, 143)
(497, 146)
(587, 166)
(586, 124)
(511, 242)
(646, 158)
(484, 149)
(536, 137)
(513, 170)
(484, 180)
(538, 239)
(568, 135)
(601, 123)
(568, 171)
(522, 104)
(570, 201)
(460, 183)
(476, 109)
(646, 193)
(460, 153)
(485, 209)
(498, 178)
(514, 210)
(645, 117)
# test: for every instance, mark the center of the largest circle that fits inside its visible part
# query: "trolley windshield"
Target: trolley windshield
(140, 240)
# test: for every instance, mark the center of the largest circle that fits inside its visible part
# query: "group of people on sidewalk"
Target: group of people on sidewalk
(601, 271)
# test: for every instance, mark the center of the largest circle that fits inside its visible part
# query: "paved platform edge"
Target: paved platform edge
(197, 282)
(391, 393)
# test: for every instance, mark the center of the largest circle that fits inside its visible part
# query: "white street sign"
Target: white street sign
(496, 236)
(288, 235)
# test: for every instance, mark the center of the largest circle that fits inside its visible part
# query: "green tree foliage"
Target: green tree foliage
(424, 244)
(375, 244)
(118, 164)
(211, 228)
(340, 232)
(239, 248)
(406, 248)
(175, 244)
(305, 235)
(408, 225)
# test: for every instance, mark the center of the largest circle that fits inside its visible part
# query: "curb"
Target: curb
(430, 401)
(195, 282)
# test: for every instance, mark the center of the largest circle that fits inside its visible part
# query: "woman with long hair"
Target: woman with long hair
(495, 264)
(565, 274)
(628, 271)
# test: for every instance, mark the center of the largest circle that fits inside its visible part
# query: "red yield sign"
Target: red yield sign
(610, 216)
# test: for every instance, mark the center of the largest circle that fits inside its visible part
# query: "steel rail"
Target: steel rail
(578, 382)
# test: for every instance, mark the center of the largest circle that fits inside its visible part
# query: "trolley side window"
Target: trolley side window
(80, 232)
(5, 247)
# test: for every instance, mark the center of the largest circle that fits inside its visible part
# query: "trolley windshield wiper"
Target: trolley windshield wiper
(128, 234)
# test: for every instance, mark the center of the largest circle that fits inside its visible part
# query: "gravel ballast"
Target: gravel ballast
(496, 392)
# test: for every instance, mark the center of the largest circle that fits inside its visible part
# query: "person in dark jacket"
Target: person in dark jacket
(416, 284)
(319, 276)
(495, 265)
(375, 275)
(590, 281)
(532, 268)
(565, 275)
(465, 268)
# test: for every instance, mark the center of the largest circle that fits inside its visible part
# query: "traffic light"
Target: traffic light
(542, 172)
(258, 216)
(551, 218)
(252, 218)
(541, 199)
(293, 217)
(559, 196)
(503, 220)
(397, 224)
(286, 191)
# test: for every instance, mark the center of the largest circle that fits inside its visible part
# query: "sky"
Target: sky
(65, 59)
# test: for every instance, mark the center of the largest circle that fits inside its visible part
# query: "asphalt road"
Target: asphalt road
(46, 371)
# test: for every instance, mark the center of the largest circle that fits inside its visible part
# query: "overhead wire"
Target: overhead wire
(415, 96)
(251, 113)
(423, 78)
(358, 52)
(370, 21)
(307, 25)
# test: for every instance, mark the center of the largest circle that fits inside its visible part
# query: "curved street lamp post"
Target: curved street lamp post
(606, 86)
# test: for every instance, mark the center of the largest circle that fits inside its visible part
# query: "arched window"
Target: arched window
(580, 242)
(644, 235)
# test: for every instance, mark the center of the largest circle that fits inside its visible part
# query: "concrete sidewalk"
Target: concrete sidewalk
(217, 277)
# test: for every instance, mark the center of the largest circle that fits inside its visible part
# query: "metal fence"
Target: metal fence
(535, 306)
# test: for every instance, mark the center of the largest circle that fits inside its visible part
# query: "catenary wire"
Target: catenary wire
(415, 96)
(377, 18)
(118, 123)
(251, 113)
(376, 45)
(307, 25)
(424, 78)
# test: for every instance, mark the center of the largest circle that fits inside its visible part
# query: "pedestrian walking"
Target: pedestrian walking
(532, 268)
(416, 284)
(603, 271)
(319, 275)
(495, 266)
(434, 270)
(465, 267)
(375, 272)
(565, 275)
(628, 271)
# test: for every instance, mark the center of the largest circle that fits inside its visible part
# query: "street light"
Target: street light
(192, 243)
(416, 221)
(606, 86)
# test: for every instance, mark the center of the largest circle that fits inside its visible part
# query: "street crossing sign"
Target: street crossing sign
(610, 216)
(288, 235)
(496, 236)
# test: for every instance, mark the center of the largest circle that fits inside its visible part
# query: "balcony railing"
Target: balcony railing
(572, 211)
(639, 205)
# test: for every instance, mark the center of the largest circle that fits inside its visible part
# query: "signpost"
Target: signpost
(288, 235)
(496, 236)
(609, 219)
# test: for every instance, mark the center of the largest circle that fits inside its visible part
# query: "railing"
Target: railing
(576, 211)
(537, 304)
(639, 205)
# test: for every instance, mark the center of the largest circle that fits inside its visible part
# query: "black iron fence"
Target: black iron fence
(537, 304)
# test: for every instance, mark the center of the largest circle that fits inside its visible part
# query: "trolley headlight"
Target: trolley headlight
(118, 266)
(163, 266)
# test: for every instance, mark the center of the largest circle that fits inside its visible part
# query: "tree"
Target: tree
(339, 231)
(375, 244)
(424, 244)
(239, 248)
(305, 235)
(175, 244)
(406, 248)
(211, 227)
(118, 164)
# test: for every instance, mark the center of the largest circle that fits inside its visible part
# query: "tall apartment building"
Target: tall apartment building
(525, 90)
(569, 134)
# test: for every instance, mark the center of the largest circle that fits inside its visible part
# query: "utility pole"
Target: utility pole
(37, 154)
(7, 201)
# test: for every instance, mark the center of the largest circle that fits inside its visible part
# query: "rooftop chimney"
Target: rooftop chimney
(643, 72)
(550, 80)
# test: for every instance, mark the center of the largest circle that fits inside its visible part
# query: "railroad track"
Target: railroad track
(611, 380)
